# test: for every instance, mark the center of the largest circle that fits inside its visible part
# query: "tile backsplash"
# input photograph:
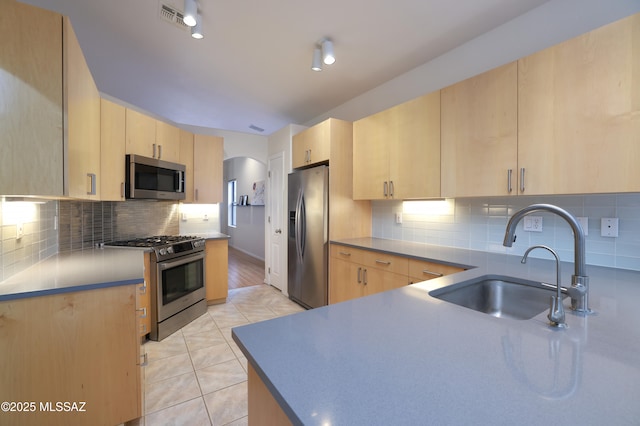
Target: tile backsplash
(39, 238)
(60, 226)
(479, 224)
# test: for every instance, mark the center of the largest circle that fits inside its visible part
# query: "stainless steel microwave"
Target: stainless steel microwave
(149, 178)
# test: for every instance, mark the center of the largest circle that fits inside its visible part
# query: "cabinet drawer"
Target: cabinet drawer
(385, 262)
(346, 253)
(422, 270)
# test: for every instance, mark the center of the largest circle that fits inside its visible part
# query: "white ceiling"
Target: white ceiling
(254, 65)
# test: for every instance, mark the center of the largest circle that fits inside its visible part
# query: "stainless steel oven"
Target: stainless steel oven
(177, 281)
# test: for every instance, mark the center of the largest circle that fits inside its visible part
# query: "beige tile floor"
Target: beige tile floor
(198, 375)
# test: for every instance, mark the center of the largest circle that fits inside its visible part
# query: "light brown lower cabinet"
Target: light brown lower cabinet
(264, 410)
(71, 359)
(358, 272)
(217, 270)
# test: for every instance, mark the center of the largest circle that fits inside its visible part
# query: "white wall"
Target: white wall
(549, 24)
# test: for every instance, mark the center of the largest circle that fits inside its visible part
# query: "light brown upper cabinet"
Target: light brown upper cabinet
(46, 80)
(208, 155)
(311, 146)
(579, 113)
(152, 138)
(479, 134)
(168, 142)
(112, 150)
(396, 152)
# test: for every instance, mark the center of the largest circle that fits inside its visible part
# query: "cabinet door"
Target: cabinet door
(377, 281)
(208, 152)
(312, 145)
(479, 134)
(167, 142)
(31, 145)
(579, 113)
(217, 271)
(141, 134)
(81, 346)
(414, 156)
(186, 158)
(83, 120)
(346, 280)
(112, 151)
(371, 155)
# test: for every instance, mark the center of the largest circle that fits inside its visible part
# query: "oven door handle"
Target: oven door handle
(180, 261)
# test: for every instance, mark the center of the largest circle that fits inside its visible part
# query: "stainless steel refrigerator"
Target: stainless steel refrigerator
(308, 236)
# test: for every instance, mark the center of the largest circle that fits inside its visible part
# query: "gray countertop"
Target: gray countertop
(404, 357)
(211, 235)
(76, 271)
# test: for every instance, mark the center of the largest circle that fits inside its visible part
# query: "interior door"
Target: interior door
(276, 205)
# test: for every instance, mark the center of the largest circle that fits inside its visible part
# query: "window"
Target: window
(232, 202)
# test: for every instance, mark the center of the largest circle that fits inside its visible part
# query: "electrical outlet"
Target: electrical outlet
(205, 217)
(183, 216)
(533, 223)
(609, 227)
(19, 230)
(399, 218)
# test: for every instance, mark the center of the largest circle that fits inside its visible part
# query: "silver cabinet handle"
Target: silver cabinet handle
(278, 231)
(144, 312)
(159, 151)
(143, 288)
(428, 272)
(385, 187)
(344, 253)
(509, 173)
(522, 179)
(391, 188)
(359, 271)
(364, 277)
(383, 262)
(145, 359)
(92, 178)
(154, 150)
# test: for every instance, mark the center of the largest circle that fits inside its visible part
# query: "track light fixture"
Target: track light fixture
(327, 52)
(196, 31)
(316, 65)
(190, 12)
(323, 53)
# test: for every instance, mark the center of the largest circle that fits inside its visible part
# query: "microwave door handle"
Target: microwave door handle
(180, 176)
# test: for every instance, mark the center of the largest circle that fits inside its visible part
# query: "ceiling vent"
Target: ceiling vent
(172, 15)
(256, 128)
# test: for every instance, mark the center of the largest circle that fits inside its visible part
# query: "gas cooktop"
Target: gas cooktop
(155, 241)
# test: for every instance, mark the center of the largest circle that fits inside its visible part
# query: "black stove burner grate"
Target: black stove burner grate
(158, 240)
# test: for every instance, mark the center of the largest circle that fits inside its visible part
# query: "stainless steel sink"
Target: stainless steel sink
(500, 296)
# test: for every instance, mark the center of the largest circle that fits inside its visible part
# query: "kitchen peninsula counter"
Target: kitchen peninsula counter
(76, 271)
(405, 357)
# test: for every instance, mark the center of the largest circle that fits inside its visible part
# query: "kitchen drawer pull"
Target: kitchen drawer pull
(359, 271)
(383, 262)
(344, 253)
(144, 312)
(428, 272)
(509, 173)
(145, 361)
(522, 179)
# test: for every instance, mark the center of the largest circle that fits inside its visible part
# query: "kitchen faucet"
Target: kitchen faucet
(579, 290)
(556, 310)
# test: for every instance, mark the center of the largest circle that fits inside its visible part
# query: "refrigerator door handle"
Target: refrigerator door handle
(299, 213)
(303, 225)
